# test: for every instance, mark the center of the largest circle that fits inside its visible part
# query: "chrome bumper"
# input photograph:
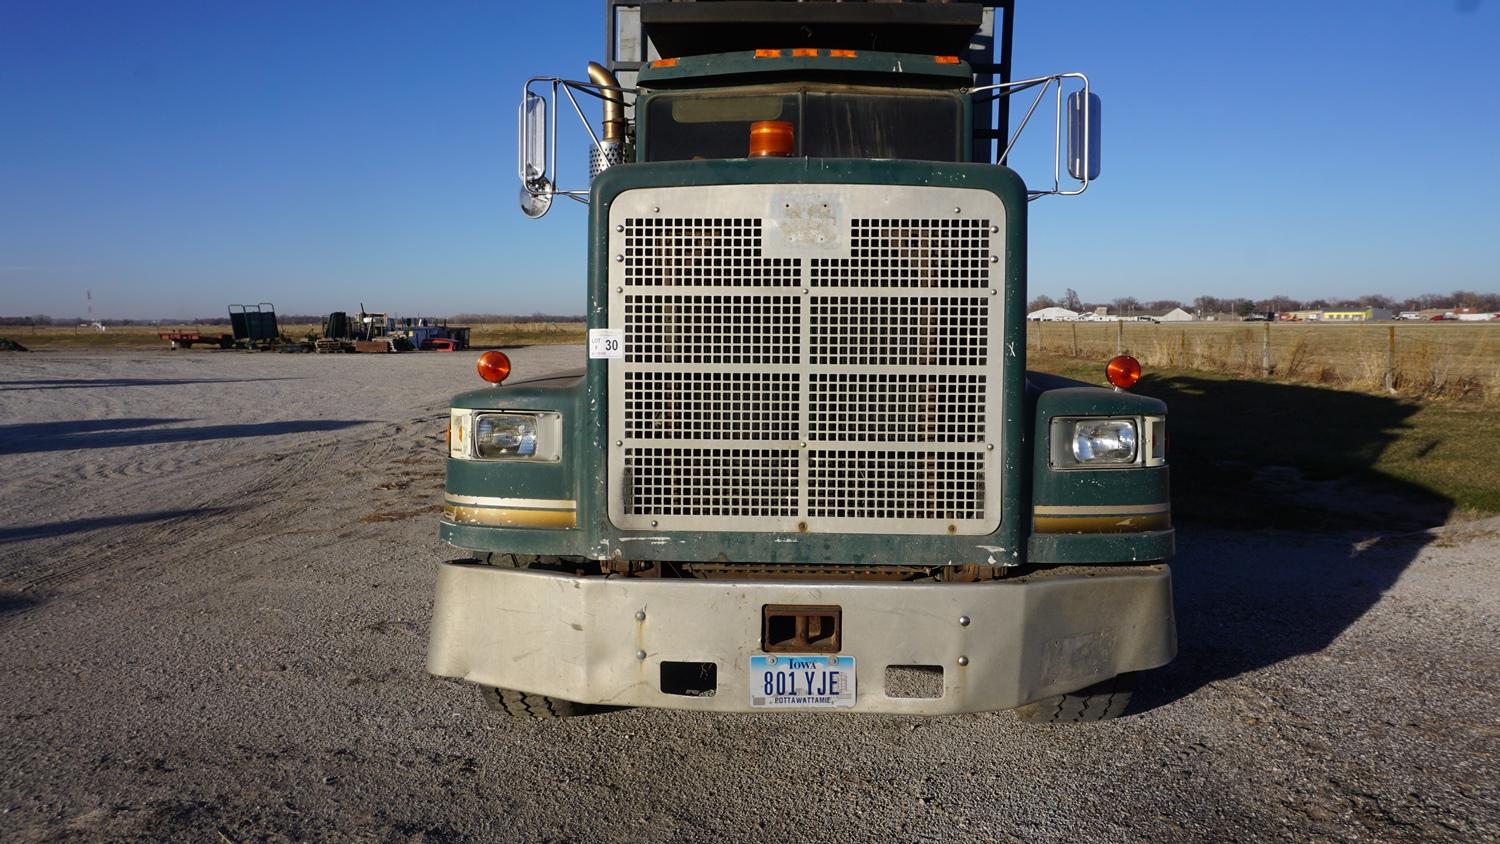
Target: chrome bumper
(602, 640)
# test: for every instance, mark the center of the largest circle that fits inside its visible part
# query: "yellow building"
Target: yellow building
(1362, 315)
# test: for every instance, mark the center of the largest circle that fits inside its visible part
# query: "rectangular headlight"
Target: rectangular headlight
(1089, 443)
(504, 435)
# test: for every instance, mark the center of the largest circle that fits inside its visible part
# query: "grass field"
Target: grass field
(1241, 447)
(1430, 359)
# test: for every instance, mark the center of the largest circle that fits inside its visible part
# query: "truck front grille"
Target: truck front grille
(799, 359)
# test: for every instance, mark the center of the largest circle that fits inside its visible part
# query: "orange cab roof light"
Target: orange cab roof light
(844, 54)
(494, 366)
(945, 59)
(1123, 371)
(772, 139)
(768, 54)
(664, 63)
(803, 52)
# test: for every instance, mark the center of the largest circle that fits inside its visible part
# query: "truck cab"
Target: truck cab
(803, 465)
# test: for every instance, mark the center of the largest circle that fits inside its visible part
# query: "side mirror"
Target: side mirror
(532, 163)
(536, 192)
(1083, 136)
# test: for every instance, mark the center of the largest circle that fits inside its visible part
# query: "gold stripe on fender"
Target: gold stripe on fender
(528, 503)
(1112, 523)
(510, 517)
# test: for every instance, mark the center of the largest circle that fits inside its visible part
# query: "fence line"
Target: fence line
(1418, 359)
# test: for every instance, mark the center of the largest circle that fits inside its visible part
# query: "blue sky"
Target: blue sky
(174, 157)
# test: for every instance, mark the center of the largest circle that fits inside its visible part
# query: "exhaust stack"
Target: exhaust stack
(614, 148)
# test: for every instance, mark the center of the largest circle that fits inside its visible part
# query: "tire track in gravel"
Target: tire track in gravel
(259, 481)
(279, 483)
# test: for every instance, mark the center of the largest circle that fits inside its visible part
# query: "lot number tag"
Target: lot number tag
(606, 342)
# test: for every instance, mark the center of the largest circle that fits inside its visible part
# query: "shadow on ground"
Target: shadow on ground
(1288, 471)
(51, 529)
(16, 602)
(37, 437)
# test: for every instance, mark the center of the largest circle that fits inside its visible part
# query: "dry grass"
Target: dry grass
(1227, 429)
(1430, 360)
(527, 333)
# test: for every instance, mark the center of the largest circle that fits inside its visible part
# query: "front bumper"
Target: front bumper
(579, 638)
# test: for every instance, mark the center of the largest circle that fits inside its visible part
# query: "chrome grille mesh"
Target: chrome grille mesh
(717, 329)
(878, 407)
(719, 482)
(701, 252)
(797, 359)
(900, 331)
(910, 253)
(943, 485)
(712, 405)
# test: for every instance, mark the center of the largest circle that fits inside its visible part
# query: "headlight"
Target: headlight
(1091, 443)
(499, 435)
(1104, 441)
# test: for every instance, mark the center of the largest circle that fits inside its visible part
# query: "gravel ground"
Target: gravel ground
(215, 580)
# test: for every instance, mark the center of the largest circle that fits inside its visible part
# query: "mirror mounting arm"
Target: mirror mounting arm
(537, 154)
(1083, 128)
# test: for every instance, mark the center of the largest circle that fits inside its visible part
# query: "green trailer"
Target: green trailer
(804, 465)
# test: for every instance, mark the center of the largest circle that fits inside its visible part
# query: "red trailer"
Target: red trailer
(186, 339)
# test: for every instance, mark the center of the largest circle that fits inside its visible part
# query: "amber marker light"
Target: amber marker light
(664, 63)
(803, 52)
(844, 54)
(770, 138)
(494, 367)
(945, 59)
(768, 54)
(1123, 371)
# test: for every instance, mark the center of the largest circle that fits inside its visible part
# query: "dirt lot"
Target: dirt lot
(215, 579)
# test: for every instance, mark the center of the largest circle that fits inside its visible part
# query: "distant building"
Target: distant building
(1361, 315)
(1052, 315)
(1175, 315)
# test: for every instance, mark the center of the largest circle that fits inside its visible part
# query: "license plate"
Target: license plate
(819, 681)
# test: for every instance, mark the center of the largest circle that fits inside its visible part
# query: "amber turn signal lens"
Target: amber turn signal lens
(771, 138)
(1123, 371)
(494, 367)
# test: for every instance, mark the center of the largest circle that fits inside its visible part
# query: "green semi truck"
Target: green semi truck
(804, 465)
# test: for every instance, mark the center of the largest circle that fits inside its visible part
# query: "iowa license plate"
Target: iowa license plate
(819, 681)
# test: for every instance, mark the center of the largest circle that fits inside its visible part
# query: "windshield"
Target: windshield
(827, 124)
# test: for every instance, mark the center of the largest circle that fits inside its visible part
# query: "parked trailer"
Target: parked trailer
(186, 339)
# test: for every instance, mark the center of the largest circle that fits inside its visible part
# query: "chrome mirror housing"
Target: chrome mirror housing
(1083, 136)
(1083, 113)
(533, 144)
(536, 198)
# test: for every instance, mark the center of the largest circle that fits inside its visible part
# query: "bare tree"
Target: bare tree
(1040, 302)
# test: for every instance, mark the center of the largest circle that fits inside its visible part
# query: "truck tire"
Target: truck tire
(1099, 702)
(530, 707)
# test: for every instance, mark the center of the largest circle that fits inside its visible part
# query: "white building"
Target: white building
(1052, 315)
(1175, 315)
